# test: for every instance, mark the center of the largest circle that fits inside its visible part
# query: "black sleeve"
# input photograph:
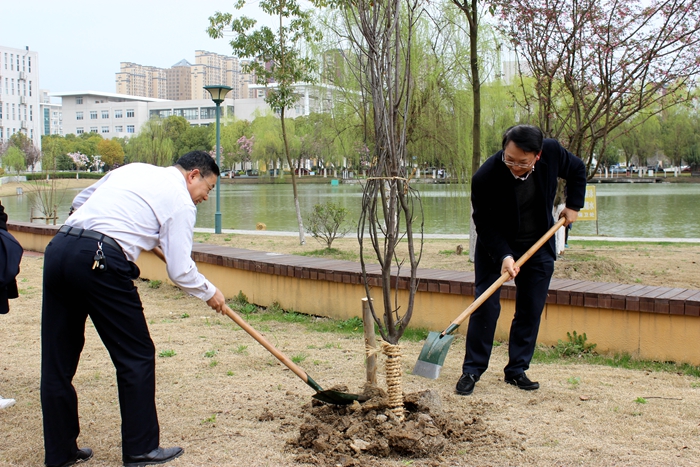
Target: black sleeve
(3, 218)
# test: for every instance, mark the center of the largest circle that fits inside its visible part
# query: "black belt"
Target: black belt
(85, 233)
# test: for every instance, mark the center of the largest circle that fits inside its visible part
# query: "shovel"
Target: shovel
(329, 396)
(432, 356)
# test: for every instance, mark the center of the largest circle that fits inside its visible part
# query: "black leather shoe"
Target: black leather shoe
(522, 382)
(465, 385)
(157, 456)
(83, 455)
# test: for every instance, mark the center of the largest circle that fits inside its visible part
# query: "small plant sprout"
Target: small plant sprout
(211, 419)
(640, 400)
(210, 353)
(574, 381)
(298, 358)
(167, 353)
(241, 350)
(154, 284)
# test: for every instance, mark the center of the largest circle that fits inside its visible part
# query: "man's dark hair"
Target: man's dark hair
(199, 160)
(527, 137)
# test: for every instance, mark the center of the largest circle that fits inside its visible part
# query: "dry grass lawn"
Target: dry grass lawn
(218, 388)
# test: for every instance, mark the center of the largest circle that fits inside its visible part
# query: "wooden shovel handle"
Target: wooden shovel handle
(259, 337)
(505, 276)
(265, 343)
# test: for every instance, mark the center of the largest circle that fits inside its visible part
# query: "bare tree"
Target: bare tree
(596, 64)
(380, 35)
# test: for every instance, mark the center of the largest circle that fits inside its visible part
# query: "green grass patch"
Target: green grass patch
(332, 253)
(578, 349)
(167, 353)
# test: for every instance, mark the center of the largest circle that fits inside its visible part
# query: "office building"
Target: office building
(119, 115)
(51, 114)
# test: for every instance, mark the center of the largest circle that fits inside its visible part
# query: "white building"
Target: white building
(19, 94)
(51, 114)
(120, 115)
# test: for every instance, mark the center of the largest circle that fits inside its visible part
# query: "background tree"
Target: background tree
(231, 134)
(80, 160)
(175, 127)
(152, 145)
(269, 145)
(196, 138)
(639, 138)
(277, 60)
(32, 154)
(598, 63)
(14, 159)
(678, 136)
(112, 153)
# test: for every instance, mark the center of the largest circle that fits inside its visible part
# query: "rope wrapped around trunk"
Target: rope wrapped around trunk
(394, 378)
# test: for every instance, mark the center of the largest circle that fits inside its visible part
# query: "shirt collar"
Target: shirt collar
(524, 177)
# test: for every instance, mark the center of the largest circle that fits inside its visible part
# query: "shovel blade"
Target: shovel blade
(432, 356)
(339, 398)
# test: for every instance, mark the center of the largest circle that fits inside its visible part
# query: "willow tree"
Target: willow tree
(277, 59)
(380, 38)
(152, 145)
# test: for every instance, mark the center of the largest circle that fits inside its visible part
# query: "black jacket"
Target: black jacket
(495, 207)
(10, 258)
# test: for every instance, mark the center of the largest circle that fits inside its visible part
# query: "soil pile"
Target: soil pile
(362, 434)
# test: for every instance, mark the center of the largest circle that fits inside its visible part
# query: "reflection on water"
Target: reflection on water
(624, 210)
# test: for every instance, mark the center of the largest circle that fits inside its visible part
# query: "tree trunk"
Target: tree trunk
(302, 240)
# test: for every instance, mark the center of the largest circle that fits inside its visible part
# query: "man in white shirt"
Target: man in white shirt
(89, 270)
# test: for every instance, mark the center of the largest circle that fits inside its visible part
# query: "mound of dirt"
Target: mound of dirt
(361, 434)
(599, 269)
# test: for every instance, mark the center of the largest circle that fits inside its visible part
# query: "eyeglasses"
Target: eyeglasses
(515, 164)
(211, 187)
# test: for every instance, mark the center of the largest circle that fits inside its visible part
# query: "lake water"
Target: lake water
(624, 210)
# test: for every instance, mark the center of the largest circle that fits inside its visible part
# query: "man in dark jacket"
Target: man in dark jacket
(10, 258)
(512, 197)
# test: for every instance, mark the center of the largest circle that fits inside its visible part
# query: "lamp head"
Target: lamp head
(218, 92)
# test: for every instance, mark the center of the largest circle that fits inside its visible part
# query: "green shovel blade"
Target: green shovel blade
(432, 356)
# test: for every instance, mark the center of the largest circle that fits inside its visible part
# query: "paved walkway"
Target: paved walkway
(274, 233)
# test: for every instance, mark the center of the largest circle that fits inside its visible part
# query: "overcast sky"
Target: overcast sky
(81, 42)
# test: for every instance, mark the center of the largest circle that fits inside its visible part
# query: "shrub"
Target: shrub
(325, 223)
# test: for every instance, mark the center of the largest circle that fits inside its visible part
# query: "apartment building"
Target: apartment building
(19, 94)
(185, 80)
(119, 115)
(138, 80)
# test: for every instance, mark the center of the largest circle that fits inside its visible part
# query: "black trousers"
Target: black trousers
(72, 292)
(532, 284)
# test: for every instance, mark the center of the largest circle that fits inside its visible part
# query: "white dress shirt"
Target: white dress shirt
(142, 206)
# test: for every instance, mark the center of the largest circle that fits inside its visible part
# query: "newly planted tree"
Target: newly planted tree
(380, 35)
(277, 60)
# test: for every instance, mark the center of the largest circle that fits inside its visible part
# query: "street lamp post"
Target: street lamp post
(218, 93)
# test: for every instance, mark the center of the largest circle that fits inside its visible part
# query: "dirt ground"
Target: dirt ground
(228, 402)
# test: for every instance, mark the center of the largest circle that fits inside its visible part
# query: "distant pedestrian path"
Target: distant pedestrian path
(279, 233)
